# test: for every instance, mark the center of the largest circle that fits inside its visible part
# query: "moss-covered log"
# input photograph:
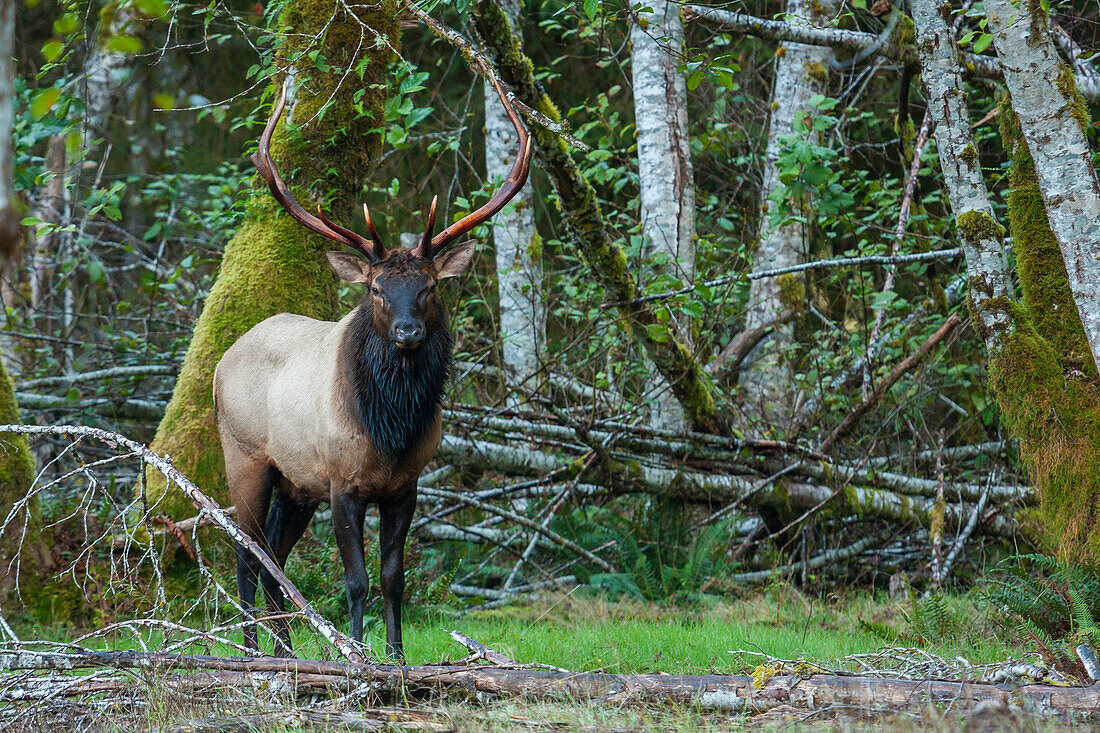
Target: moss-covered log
(580, 208)
(272, 265)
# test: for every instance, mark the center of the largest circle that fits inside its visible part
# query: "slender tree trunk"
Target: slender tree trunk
(105, 74)
(1053, 117)
(518, 246)
(991, 293)
(664, 169)
(271, 265)
(801, 71)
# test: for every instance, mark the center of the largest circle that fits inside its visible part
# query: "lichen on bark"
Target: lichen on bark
(272, 264)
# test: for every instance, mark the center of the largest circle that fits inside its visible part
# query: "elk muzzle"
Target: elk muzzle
(407, 333)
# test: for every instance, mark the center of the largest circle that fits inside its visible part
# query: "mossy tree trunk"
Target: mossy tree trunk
(272, 264)
(1053, 118)
(581, 213)
(1054, 418)
(24, 545)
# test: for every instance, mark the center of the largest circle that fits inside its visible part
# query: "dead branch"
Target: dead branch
(729, 359)
(340, 641)
(867, 404)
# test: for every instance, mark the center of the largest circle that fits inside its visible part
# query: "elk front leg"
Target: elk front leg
(348, 511)
(394, 519)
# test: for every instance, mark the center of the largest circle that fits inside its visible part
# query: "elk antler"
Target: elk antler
(430, 246)
(319, 224)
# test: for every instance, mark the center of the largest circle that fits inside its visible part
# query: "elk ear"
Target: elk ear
(349, 267)
(454, 261)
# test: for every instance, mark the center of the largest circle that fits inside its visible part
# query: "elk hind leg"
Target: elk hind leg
(287, 520)
(250, 483)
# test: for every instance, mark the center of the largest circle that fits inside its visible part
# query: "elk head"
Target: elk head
(401, 282)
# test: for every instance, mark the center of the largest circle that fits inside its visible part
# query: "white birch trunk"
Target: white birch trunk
(106, 73)
(800, 73)
(982, 238)
(1044, 99)
(518, 250)
(664, 165)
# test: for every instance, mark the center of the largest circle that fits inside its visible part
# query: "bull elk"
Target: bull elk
(346, 412)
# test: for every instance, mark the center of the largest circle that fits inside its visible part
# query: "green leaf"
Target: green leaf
(591, 7)
(983, 42)
(151, 8)
(123, 43)
(657, 332)
(44, 101)
(52, 50)
(66, 24)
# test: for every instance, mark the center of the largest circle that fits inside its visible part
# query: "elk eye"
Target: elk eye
(374, 290)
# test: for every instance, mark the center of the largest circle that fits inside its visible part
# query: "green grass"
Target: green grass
(589, 634)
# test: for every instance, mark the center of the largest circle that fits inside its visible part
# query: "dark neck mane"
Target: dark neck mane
(395, 393)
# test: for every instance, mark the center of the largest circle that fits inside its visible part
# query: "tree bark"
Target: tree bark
(272, 265)
(518, 245)
(665, 178)
(801, 71)
(581, 213)
(991, 294)
(1053, 117)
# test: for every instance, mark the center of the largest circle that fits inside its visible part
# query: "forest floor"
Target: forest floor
(586, 633)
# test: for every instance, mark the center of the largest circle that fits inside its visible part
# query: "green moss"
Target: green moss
(970, 155)
(978, 226)
(26, 535)
(534, 248)
(1078, 107)
(817, 72)
(272, 264)
(1043, 279)
(792, 291)
(1057, 422)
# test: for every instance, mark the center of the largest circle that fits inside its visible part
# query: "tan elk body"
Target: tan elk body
(346, 412)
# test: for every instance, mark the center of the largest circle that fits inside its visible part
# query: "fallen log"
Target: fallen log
(730, 693)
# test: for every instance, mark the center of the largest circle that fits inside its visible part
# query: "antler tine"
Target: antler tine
(373, 248)
(317, 224)
(512, 184)
(381, 250)
(424, 250)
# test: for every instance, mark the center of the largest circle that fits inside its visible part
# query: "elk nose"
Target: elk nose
(407, 334)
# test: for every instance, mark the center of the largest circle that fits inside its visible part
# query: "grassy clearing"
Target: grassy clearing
(593, 634)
